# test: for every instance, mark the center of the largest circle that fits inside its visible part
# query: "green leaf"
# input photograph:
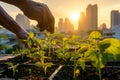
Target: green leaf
(60, 50)
(31, 35)
(77, 71)
(67, 55)
(60, 55)
(67, 46)
(65, 39)
(83, 49)
(75, 56)
(95, 35)
(81, 62)
(50, 64)
(106, 58)
(75, 37)
(38, 64)
(114, 42)
(53, 42)
(113, 50)
(3, 36)
(91, 54)
(4, 46)
(104, 44)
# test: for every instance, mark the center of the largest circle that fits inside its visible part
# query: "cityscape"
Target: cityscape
(88, 21)
(60, 40)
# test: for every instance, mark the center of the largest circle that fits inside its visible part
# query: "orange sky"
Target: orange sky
(66, 8)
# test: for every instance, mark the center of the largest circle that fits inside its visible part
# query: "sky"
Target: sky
(71, 8)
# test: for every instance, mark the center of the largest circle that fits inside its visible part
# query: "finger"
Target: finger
(50, 20)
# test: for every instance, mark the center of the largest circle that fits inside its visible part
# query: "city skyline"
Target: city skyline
(61, 10)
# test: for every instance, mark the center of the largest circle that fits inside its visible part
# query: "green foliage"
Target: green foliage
(3, 36)
(4, 46)
(13, 67)
(95, 35)
(73, 48)
(34, 50)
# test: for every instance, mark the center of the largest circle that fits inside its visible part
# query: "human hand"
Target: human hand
(41, 13)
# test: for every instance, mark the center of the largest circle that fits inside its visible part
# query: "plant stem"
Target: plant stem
(75, 66)
(98, 57)
(99, 70)
(49, 48)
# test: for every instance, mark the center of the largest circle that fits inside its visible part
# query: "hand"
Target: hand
(22, 35)
(41, 13)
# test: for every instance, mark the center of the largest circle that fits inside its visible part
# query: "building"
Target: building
(61, 25)
(89, 21)
(115, 18)
(92, 17)
(107, 33)
(82, 22)
(65, 26)
(23, 21)
(116, 31)
(102, 26)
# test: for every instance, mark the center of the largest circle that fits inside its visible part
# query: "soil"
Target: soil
(29, 72)
(110, 72)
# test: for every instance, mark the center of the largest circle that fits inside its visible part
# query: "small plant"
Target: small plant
(35, 49)
(74, 49)
(64, 53)
(13, 67)
(94, 49)
(101, 51)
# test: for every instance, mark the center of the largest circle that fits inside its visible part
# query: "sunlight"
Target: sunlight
(75, 16)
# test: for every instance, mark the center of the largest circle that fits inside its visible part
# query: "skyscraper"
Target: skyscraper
(89, 21)
(65, 26)
(68, 26)
(115, 18)
(61, 25)
(92, 17)
(82, 22)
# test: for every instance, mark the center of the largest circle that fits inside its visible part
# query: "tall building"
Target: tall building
(23, 21)
(65, 26)
(89, 20)
(92, 17)
(115, 18)
(68, 26)
(61, 25)
(82, 22)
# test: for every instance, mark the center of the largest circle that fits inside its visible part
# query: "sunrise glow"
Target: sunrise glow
(75, 16)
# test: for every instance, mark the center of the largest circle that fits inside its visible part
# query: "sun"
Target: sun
(75, 16)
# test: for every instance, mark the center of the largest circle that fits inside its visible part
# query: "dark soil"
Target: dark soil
(29, 72)
(110, 72)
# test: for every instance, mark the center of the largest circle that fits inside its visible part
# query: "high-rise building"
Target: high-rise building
(68, 26)
(61, 25)
(115, 18)
(23, 21)
(92, 17)
(89, 21)
(82, 22)
(65, 26)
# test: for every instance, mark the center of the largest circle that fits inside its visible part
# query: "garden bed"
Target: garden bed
(110, 72)
(28, 72)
